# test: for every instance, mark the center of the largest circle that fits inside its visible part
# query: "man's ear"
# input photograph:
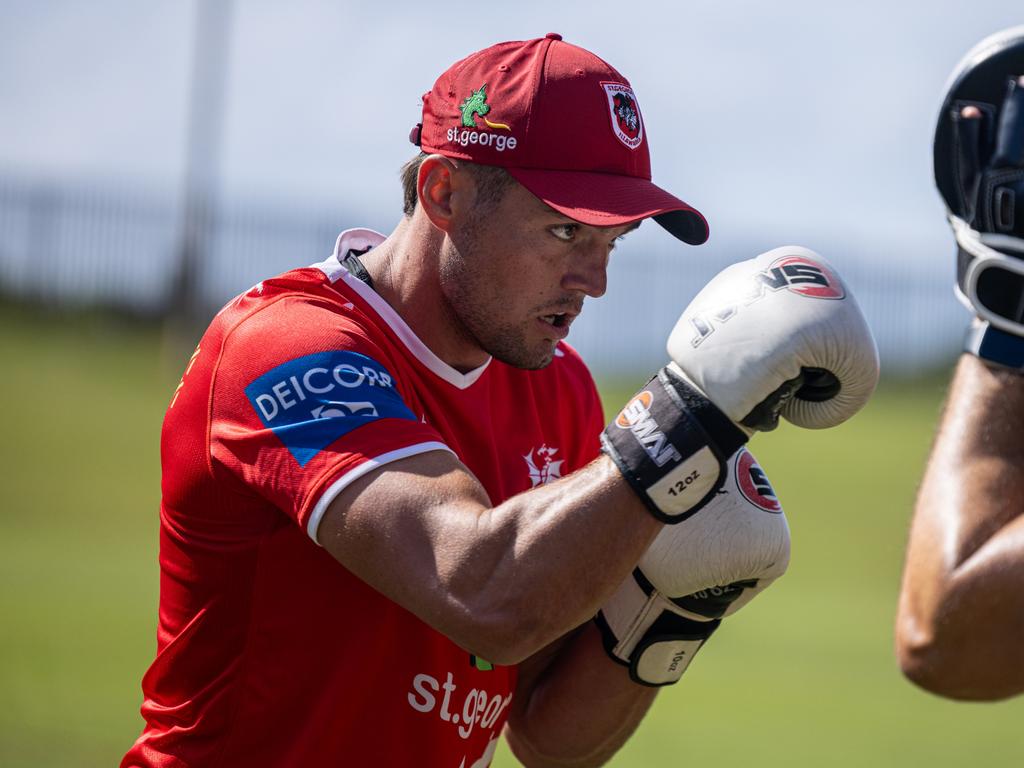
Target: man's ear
(444, 193)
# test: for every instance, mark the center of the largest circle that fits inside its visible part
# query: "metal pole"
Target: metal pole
(205, 119)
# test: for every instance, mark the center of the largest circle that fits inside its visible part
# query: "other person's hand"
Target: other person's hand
(979, 171)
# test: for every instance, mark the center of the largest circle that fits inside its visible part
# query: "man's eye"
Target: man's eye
(565, 232)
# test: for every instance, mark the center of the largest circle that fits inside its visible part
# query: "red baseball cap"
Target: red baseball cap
(565, 124)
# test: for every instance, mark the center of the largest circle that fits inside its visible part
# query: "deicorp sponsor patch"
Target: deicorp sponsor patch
(311, 401)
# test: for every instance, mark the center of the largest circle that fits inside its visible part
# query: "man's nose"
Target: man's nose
(588, 270)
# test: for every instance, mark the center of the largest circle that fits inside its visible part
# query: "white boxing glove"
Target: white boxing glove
(778, 334)
(696, 573)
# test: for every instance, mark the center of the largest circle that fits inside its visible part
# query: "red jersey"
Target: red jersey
(269, 651)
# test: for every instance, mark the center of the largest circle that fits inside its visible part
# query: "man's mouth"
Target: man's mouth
(559, 319)
(557, 324)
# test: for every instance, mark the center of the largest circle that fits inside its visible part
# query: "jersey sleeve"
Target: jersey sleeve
(303, 402)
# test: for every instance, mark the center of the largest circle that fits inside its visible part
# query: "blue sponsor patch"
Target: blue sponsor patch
(311, 401)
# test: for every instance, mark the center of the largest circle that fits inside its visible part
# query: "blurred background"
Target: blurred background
(157, 158)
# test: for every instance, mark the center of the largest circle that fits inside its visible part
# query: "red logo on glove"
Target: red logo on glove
(803, 276)
(753, 483)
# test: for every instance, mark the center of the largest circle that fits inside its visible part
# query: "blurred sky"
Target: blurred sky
(793, 122)
(800, 120)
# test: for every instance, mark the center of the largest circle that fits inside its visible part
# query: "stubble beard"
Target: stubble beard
(472, 303)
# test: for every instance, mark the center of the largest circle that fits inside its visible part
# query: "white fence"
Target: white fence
(76, 245)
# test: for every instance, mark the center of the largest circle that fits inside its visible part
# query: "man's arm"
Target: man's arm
(961, 614)
(501, 582)
(504, 582)
(693, 576)
(573, 706)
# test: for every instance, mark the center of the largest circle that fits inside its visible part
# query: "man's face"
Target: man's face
(515, 276)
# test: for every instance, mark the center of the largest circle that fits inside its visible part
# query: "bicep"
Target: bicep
(406, 528)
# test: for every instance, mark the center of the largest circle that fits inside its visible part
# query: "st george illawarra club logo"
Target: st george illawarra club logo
(627, 123)
(541, 465)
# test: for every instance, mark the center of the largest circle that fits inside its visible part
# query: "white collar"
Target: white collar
(361, 240)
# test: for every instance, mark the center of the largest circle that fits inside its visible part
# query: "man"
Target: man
(961, 614)
(386, 518)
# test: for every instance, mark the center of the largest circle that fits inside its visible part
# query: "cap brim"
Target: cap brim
(611, 200)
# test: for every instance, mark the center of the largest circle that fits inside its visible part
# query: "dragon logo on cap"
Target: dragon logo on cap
(625, 111)
(476, 104)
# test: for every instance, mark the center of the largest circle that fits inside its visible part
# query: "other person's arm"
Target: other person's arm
(960, 629)
(960, 624)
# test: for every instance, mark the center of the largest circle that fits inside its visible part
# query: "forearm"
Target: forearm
(579, 711)
(961, 613)
(501, 581)
(562, 549)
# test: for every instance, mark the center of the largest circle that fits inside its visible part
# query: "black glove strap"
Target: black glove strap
(995, 346)
(671, 444)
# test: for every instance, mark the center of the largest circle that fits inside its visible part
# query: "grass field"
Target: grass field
(805, 676)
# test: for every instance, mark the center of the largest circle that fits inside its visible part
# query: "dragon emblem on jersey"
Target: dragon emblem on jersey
(625, 114)
(476, 104)
(542, 466)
